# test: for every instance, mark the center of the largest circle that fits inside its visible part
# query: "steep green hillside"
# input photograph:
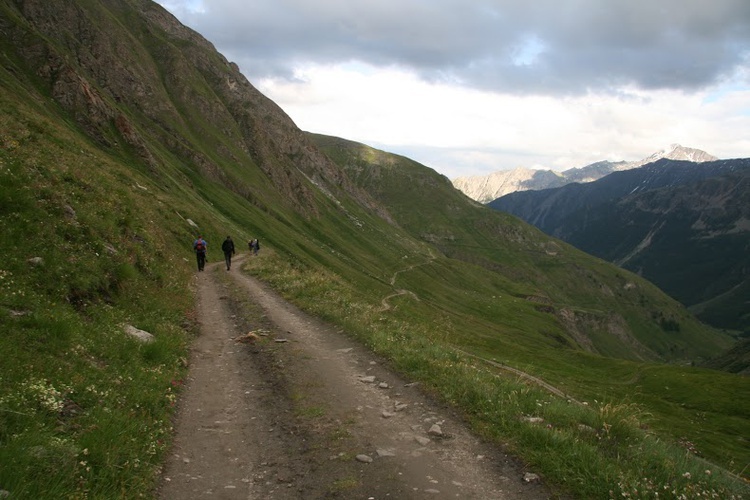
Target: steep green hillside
(579, 302)
(123, 135)
(513, 295)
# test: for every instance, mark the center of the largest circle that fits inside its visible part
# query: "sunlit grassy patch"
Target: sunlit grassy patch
(343, 485)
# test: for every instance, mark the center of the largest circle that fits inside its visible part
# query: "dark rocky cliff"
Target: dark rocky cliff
(130, 94)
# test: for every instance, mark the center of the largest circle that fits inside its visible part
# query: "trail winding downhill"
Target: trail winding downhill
(385, 305)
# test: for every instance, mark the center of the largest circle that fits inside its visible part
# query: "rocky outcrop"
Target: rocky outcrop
(485, 188)
(152, 82)
(586, 328)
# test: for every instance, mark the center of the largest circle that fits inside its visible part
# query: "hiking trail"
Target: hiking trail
(279, 405)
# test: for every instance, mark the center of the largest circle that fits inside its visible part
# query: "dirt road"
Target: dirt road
(279, 405)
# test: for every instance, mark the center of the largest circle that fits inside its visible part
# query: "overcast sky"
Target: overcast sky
(469, 87)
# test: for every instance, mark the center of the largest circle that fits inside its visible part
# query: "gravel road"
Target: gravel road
(279, 405)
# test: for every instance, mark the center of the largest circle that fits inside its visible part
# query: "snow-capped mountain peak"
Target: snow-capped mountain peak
(674, 152)
(485, 188)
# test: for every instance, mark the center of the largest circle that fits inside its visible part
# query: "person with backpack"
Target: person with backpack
(200, 246)
(228, 248)
(254, 245)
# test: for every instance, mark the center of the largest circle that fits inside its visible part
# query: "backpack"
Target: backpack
(200, 246)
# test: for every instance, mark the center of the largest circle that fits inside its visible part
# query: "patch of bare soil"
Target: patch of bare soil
(279, 405)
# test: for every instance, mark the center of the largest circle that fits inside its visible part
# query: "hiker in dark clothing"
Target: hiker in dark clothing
(254, 246)
(228, 248)
(200, 246)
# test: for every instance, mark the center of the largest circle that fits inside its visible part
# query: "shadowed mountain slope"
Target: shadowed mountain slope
(685, 226)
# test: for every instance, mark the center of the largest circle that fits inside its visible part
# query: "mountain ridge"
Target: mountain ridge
(683, 225)
(486, 188)
(127, 94)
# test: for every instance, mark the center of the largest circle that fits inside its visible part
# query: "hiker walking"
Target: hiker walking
(228, 248)
(254, 245)
(200, 246)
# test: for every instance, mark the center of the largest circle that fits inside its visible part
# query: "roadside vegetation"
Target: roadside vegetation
(605, 446)
(85, 410)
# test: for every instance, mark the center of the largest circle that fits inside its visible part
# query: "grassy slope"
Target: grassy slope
(75, 389)
(528, 262)
(487, 316)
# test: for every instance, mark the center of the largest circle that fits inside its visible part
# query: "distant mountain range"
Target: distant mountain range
(485, 188)
(683, 225)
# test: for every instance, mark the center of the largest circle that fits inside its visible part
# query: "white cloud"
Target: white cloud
(453, 129)
(470, 87)
(183, 7)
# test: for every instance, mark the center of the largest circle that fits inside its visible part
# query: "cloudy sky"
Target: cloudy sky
(469, 87)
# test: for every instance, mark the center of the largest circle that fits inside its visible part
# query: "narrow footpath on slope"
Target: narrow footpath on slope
(279, 405)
